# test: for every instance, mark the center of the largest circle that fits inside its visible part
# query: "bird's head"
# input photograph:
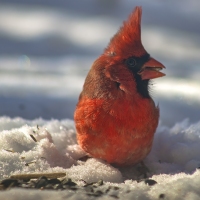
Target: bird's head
(126, 47)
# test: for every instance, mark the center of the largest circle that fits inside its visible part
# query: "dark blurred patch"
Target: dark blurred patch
(85, 8)
(37, 106)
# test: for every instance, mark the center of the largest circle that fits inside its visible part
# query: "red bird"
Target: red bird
(116, 117)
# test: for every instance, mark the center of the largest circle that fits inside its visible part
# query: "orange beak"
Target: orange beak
(151, 69)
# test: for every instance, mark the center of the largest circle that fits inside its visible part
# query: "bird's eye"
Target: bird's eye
(131, 62)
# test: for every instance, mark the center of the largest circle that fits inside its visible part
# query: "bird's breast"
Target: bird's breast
(116, 130)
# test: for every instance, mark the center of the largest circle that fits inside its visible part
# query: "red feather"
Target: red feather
(115, 117)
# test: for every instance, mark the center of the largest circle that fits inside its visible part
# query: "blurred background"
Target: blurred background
(48, 47)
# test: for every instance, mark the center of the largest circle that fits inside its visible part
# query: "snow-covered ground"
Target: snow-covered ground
(46, 50)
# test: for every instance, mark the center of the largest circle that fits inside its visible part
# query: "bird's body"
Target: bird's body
(115, 117)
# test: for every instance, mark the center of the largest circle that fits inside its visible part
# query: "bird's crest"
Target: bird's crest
(128, 38)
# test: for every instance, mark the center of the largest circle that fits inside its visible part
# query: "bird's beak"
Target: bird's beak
(151, 69)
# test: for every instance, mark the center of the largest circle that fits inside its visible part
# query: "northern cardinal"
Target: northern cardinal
(116, 117)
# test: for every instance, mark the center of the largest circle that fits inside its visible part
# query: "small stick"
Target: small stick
(9, 150)
(35, 176)
(33, 138)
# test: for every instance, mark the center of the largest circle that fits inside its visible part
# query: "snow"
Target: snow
(174, 159)
(46, 51)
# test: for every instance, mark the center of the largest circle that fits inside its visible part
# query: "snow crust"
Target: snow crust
(35, 146)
